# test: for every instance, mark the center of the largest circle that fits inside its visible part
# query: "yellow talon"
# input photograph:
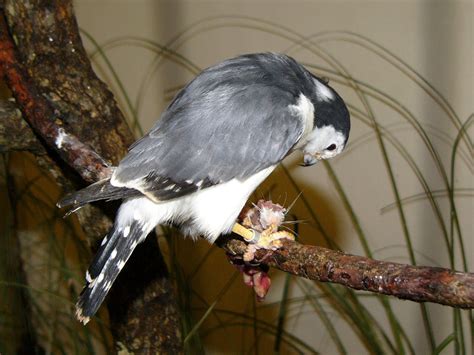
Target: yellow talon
(247, 234)
(269, 238)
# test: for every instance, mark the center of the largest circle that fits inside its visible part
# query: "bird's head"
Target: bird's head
(331, 124)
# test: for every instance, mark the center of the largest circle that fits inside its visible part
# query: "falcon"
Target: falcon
(219, 138)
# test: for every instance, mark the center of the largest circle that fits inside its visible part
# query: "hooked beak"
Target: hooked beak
(310, 159)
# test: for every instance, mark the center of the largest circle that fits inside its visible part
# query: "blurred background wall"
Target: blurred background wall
(435, 38)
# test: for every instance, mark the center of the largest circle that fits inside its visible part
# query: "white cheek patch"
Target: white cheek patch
(321, 138)
(323, 92)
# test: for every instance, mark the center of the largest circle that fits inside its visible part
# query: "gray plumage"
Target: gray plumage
(220, 127)
(101, 190)
(215, 143)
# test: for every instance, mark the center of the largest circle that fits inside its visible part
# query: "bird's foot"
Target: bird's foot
(259, 229)
(270, 239)
(255, 274)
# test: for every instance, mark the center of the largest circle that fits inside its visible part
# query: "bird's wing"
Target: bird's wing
(211, 137)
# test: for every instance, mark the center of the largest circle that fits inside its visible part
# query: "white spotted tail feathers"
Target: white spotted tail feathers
(113, 253)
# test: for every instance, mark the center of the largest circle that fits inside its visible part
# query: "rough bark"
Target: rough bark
(32, 100)
(414, 283)
(15, 134)
(77, 119)
(51, 50)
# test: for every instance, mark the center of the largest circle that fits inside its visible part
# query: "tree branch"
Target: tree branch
(15, 134)
(75, 115)
(414, 283)
(43, 119)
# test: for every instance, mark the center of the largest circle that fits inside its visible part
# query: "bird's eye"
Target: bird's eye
(331, 147)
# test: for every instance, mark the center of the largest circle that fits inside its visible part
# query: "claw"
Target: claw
(260, 230)
(249, 235)
(268, 239)
(271, 239)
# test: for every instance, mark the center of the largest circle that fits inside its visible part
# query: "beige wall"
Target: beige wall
(434, 37)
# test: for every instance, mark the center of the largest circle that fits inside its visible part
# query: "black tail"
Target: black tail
(114, 252)
(101, 190)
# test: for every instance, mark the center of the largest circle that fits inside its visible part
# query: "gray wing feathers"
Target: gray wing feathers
(101, 190)
(216, 129)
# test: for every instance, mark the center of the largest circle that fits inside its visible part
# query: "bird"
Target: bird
(215, 143)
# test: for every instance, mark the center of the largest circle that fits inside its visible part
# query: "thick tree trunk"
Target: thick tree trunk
(71, 110)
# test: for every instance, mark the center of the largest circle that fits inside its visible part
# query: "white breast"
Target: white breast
(216, 208)
(209, 212)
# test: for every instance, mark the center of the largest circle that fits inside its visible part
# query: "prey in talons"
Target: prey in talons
(269, 239)
(259, 227)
